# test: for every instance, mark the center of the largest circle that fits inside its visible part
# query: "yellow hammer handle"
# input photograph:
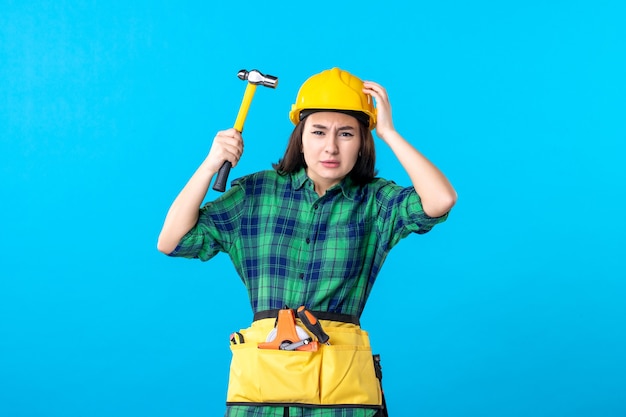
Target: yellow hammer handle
(245, 105)
(222, 174)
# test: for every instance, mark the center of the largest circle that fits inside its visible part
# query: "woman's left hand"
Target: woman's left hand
(384, 122)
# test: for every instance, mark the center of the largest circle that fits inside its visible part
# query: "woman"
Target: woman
(313, 232)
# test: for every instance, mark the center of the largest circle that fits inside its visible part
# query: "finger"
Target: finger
(227, 146)
(378, 99)
(229, 134)
(378, 93)
(234, 147)
(232, 132)
(230, 151)
(371, 83)
(224, 154)
(372, 86)
(228, 139)
(232, 158)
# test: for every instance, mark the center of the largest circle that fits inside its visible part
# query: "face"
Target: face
(331, 144)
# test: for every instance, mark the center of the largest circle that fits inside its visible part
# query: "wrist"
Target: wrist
(387, 135)
(207, 169)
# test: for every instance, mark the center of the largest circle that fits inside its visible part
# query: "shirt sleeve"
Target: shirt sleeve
(401, 213)
(216, 229)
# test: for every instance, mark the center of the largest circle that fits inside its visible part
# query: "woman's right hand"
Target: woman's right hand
(227, 146)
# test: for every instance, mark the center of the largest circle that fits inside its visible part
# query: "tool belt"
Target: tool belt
(338, 373)
(321, 315)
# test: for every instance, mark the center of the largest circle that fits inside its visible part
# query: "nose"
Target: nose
(331, 146)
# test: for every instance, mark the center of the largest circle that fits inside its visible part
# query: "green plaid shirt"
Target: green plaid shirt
(292, 247)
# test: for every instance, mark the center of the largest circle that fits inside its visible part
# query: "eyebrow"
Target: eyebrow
(318, 126)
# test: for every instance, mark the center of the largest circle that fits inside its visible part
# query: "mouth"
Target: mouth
(330, 164)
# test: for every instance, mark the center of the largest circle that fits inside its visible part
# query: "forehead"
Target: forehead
(330, 118)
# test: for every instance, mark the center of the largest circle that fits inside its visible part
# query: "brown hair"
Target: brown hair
(364, 169)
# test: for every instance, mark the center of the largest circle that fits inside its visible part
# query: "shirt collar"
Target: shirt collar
(300, 179)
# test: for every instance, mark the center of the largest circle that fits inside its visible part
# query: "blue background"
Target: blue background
(514, 307)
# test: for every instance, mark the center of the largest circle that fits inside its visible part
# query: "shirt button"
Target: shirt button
(302, 275)
(308, 240)
(315, 207)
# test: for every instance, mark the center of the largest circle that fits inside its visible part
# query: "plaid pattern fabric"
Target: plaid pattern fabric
(292, 247)
(240, 411)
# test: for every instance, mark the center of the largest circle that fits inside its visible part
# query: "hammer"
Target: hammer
(254, 78)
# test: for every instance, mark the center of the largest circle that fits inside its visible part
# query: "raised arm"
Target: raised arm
(437, 194)
(183, 213)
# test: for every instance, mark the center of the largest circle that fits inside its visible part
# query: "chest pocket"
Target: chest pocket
(348, 244)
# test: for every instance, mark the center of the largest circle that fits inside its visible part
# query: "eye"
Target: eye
(346, 134)
(317, 132)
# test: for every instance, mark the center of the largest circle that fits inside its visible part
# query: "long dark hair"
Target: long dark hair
(364, 169)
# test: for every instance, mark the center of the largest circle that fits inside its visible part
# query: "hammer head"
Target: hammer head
(258, 78)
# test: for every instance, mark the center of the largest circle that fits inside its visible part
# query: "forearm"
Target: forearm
(435, 191)
(184, 211)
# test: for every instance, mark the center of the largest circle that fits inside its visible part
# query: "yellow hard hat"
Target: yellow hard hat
(334, 90)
